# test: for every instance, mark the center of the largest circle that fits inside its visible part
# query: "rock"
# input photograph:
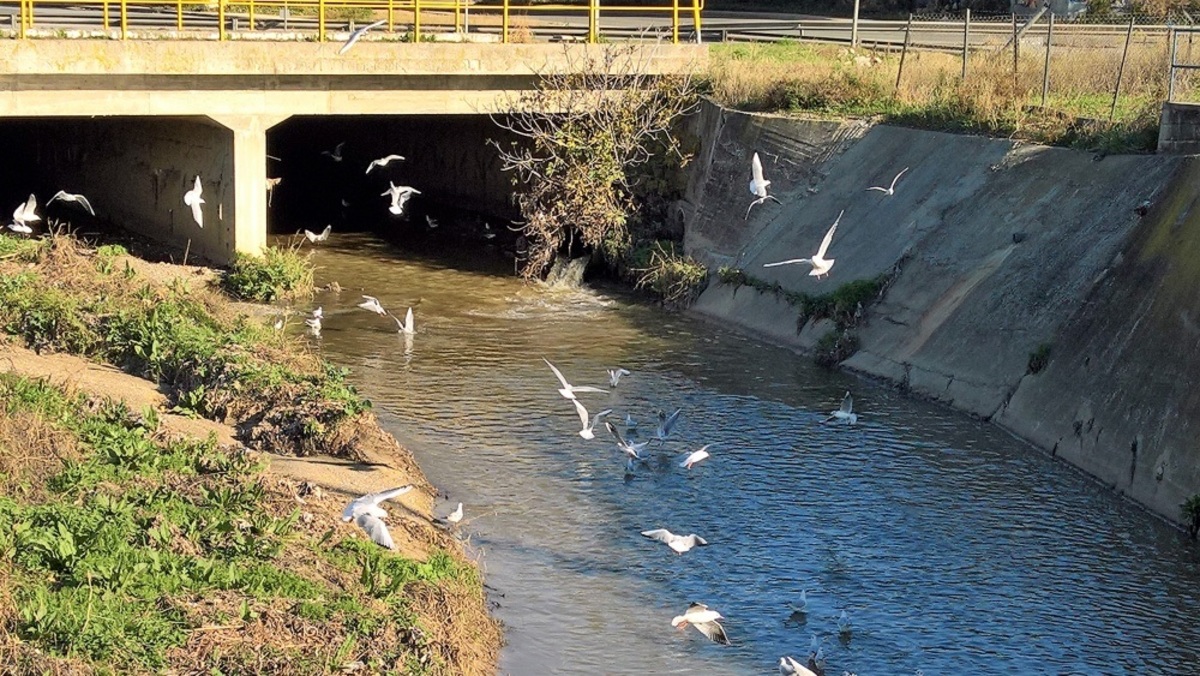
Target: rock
(1019, 237)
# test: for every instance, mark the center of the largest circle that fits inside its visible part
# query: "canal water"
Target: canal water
(953, 548)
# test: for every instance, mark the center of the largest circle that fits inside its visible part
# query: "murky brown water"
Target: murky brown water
(954, 549)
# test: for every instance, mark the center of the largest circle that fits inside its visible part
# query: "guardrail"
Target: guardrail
(225, 16)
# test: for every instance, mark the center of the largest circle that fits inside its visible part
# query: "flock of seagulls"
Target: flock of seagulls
(820, 264)
(25, 215)
(406, 326)
(704, 619)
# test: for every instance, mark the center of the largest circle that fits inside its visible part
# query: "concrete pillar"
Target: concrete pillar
(249, 178)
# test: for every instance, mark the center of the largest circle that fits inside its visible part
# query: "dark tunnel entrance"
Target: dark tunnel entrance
(321, 165)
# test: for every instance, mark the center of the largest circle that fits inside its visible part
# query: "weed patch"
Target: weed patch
(278, 274)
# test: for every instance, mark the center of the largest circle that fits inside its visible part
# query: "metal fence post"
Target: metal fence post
(1046, 68)
(504, 22)
(178, 16)
(854, 27)
(124, 19)
(220, 19)
(1112, 111)
(903, 54)
(320, 20)
(416, 20)
(1016, 47)
(696, 19)
(675, 22)
(966, 41)
(1171, 82)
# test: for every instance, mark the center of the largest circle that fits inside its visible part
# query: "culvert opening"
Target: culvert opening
(319, 168)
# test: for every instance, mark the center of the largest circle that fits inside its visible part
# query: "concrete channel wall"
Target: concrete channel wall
(998, 250)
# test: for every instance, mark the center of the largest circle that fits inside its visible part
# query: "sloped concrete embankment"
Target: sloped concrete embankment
(997, 249)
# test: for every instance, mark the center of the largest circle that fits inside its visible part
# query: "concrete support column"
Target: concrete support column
(249, 178)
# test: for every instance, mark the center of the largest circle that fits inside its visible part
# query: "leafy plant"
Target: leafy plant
(277, 274)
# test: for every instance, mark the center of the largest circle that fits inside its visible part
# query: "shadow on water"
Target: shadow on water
(953, 548)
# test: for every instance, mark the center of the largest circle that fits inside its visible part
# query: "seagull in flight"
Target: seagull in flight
(845, 412)
(666, 424)
(790, 667)
(704, 620)
(630, 449)
(614, 375)
(891, 189)
(695, 457)
(383, 162)
(24, 215)
(76, 198)
(368, 515)
(678, 543)
(315, 238)
(336, 153)
(193, 199)
(314, 322)
(568, 390)
(371, 304)
(400, 195)
(358, 34)
(588, 426)
(408, 326)
(272, 183)
(820, 264)
(433, 224)
(758, 185)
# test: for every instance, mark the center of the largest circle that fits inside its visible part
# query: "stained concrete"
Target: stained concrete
(996, 248)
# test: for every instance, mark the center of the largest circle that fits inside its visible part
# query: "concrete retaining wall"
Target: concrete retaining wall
(997, 248)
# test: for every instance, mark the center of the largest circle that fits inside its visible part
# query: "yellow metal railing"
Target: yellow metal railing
(422, 14)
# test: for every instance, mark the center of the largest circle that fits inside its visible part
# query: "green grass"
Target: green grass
(106, 566)
(673, 277)
(277, 274)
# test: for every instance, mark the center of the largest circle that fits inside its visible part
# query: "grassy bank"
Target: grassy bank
(59, 295)
(830, 81)
(124, 549)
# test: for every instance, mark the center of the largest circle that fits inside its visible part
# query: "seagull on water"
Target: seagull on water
(368, 515)
(758, 185)
(315, 238)
(568, 390)
(629, 421)
(666, 424)
(678, 543)
(891, 189)
(588, 426)
(630, 449)
(371, 304)
(704, 620)
(408, 326)
(24, 215)
(802, 607)
(358, 34)
(695, 457)
(336, 153)
(820, 264)
(193, 199)
(790, 667)
(845, 412)
(400, 195)
(383, 161)
(844, 626)
(314, 322)
(76, 198)
(456, 515)
(614, 375)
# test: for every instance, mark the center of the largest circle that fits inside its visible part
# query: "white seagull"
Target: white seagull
(272, 183)
(845, 412)
(666, 424)
(336, 153)
(358, 34)
(820, 264)
(843, 623)
(790, 667)
(891, 189)
(314, 237)
(408, 326)
(400, 195)
(193, 199)
(758, 185)
(631, 450)
(314, 322)
(368, 515)
(629, 421)
(383, 162)
(25, 214)
(568, 390)
(678, 543)
(695, 457)
(588, 425)
(76, 198)
(614, 375)
(371, 304)
(456, 515)
(433, 224)
(704, 620)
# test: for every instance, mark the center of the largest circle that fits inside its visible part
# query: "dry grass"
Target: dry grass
(520, 30)
(31, 451)
(827, 80)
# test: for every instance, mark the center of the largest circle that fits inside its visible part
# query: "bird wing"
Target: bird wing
(847, 404)
(197, 212)
(660, 534)
(616, 433)
(596, 418)
(699, 540)
(669, 423)
(199, 186)
(756, 169)
(790, 261)
(376, 529)
(61, 194)
(325, 232)
(875, 187)
(557, 373)
(829, 236)
(83, 201)
(713, 630)
(898, 177)
(409, 325)
(372, 165)
(312, 237)
(372, 499)
(388, 494)
(583, 414)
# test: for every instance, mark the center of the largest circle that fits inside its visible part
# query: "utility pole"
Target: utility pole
(854, 28)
